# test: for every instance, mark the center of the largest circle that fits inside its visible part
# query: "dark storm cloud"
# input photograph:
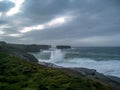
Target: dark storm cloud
(93, 22)
(42, 11)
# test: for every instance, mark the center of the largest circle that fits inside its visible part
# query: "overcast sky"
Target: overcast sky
(69, 22)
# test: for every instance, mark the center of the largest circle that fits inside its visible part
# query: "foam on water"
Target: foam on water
(109, 67)
(57, 55)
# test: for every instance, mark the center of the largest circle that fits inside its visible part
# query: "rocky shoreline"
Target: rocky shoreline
(21, 52)
(113, 81)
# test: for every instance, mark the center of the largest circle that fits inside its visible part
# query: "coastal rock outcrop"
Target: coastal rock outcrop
(30, 48)
(63, 47)
(21, 50)
(112, 81)
(36, 48)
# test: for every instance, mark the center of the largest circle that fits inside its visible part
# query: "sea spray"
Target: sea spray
(57, 55)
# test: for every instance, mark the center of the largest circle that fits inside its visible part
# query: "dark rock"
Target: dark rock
(36, 48)
(21, 50)
(49, 65)
(115, 79)
(2, 43)
(29, 48)
(85, 71)
(63, 47)
(25, 56)
(3, 46)
(112, 81)
(30, 57)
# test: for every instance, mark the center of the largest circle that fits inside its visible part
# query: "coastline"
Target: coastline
(112, 81)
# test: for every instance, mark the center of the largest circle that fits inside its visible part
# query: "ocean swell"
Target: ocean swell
(107, 67)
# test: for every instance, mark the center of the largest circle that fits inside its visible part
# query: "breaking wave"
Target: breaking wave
(57, 56)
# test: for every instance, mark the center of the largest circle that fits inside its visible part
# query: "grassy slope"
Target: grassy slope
(17, 74)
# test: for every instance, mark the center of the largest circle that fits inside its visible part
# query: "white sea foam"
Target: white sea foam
(109, 67)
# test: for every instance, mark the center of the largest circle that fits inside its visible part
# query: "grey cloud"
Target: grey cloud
(2, 22)
(91, 18)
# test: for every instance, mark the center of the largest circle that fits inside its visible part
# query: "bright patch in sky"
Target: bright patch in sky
(27, 29)
(0, 14)
(57, 21)
(54, 22)
(15, 35)
(1, 32)
(17, 7)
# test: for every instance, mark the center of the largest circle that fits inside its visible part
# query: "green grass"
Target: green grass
(18, 74)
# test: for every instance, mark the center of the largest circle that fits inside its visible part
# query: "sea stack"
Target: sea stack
(63, 47)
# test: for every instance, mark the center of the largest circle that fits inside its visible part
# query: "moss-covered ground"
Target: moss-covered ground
(18, 74)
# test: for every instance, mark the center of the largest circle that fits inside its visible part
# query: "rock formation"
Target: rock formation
(63, 47)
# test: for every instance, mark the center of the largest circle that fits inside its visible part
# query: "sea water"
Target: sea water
(105, 60)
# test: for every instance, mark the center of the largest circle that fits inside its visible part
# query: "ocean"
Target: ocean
(105, 60)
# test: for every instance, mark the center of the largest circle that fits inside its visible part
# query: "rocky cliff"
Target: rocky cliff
(30, 48)
(21, 50)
